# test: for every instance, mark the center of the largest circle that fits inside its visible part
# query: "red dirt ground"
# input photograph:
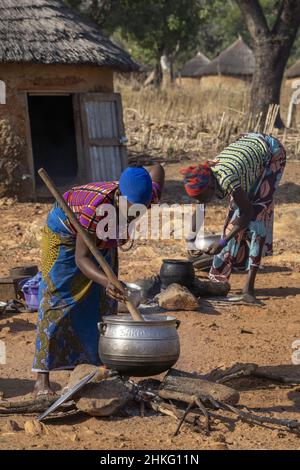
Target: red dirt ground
(208, 340)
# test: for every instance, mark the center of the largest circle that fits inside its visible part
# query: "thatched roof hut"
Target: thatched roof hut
(60, 108)
(236, 61)
(48, 32)
(293, 71)
(190, 68)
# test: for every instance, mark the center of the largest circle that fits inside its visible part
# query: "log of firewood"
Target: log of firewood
(177, 386)
(31, 406)
(206, 288)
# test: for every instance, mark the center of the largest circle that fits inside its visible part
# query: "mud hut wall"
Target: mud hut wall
(16, 167)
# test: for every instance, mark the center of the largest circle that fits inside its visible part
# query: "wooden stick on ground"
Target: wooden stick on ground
(202, 408)
(276, 377)
(247, 416)
(30, 406)
(189, 407)
(292, 424)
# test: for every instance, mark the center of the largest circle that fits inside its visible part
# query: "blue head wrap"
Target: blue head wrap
(136, 184)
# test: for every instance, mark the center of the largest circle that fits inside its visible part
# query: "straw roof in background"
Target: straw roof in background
(48, 32)
(190, 68)
(294, 71)
(236, 60)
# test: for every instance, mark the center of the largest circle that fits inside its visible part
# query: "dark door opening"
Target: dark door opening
(53, 136)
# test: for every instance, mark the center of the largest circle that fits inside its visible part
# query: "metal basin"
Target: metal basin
(204, 243)
(139, 348)
(3, 306)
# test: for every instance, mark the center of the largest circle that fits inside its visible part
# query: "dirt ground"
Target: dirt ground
(208, 339)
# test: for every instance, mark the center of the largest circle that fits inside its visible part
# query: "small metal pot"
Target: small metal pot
(177, 271)
(134, 294)
(204, 243)
(3, 306)
(139, 348)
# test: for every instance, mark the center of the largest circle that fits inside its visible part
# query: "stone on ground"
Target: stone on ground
(11, 426)
(83, 370)
(34, 428)
(104, 398)
(177, 297)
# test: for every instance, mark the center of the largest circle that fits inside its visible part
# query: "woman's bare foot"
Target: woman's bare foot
(42, 385)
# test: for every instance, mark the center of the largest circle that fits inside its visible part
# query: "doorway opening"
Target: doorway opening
(53, 137)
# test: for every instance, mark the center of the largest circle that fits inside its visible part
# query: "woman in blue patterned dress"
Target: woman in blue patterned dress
(74, 292)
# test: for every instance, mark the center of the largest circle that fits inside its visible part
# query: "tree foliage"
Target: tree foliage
(146, 27)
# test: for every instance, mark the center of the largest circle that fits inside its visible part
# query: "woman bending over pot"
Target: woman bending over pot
(74, 292)
(248, 172)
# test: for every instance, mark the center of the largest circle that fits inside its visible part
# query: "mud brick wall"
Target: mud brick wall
(21, 79)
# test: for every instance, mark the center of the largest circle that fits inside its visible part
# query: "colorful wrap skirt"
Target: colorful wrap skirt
(70, 304)
(248, 247)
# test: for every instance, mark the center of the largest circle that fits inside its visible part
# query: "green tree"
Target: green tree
(222, 23)
(272, 38)
(160, 28)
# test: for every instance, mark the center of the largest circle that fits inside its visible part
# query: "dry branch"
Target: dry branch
(30, 406)
(185, 388)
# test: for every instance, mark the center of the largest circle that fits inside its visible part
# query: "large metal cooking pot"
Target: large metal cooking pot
(177, 271)
(139, 348)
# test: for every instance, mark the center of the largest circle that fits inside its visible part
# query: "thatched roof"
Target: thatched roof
(236, 60)
(294, 70)
(191, 66)
(48, 32)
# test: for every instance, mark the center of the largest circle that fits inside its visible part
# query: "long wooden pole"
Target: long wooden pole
(88, 241)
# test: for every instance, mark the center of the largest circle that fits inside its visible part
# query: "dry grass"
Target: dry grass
(191, 122)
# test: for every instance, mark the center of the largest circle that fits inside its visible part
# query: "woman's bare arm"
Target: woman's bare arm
(246, 214)
(89, 268)
(157, 174)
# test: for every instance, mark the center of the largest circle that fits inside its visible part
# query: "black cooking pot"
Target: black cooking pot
(177, 271)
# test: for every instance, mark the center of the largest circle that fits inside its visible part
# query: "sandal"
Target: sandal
(246, 298)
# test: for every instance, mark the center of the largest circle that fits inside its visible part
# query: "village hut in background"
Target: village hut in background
(293, 73)
(233, 67)
(290, 93)
(188, 74)
(60, 110)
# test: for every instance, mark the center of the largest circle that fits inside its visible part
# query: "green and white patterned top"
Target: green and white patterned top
(241, 163)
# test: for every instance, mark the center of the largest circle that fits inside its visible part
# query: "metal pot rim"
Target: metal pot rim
(177, 261)
(149, 320)
(132, 287)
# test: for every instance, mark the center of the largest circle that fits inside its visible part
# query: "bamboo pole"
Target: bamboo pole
(267, 120)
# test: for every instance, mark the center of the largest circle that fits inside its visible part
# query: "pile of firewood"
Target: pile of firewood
(197, 401)
(190, 399)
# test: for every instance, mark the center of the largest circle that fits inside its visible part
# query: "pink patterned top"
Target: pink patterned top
(84, 201)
